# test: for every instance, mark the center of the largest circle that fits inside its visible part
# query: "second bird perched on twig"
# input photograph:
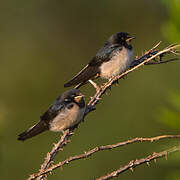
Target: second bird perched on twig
(113, 58)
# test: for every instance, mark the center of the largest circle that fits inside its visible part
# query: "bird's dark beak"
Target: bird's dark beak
(130, 38)
(78, 98)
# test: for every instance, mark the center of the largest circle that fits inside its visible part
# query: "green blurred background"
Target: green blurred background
(44, 43)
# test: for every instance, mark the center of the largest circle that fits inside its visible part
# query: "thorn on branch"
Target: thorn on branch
(132, 170)
(148, 164)
(138, 163)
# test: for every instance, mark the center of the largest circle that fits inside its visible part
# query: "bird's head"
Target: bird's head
(121, 38)
(74, 95)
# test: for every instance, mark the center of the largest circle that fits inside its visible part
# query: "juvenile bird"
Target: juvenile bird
(65, 113)
(113, 58)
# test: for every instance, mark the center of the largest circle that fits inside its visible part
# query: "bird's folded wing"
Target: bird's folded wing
(84, 75)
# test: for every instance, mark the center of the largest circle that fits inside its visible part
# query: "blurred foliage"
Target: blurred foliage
(170, 115)
(171, 29)
(173, 175)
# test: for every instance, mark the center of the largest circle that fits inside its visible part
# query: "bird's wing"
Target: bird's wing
(91, 70)
(38, 128)
(104, 54)
(84, 75)
(43, 124)
(53, 110)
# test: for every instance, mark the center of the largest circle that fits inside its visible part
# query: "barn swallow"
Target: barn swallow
(113, 58)
(65, 113)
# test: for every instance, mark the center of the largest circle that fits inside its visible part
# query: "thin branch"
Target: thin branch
(50, 156)
(134, 163)
(147, 57)
(154, 48)
(102, 148)
(162, 62)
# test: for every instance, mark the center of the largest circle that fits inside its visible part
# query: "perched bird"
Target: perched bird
(65, 113)
(113, 58)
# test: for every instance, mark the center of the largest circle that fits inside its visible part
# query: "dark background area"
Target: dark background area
(45, 43)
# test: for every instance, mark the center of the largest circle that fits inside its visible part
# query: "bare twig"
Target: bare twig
(102, 148)
(50, 156)
(134, 163)
(146, 58)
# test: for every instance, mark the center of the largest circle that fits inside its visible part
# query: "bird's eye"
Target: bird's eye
(69, 106)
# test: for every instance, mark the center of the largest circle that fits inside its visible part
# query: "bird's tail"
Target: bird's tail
(84, 75)
(33, 131)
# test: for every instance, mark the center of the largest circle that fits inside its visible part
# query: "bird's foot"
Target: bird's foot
(95, 85)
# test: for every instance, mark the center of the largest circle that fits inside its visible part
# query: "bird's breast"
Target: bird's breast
(67, 118)
(119, 62)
